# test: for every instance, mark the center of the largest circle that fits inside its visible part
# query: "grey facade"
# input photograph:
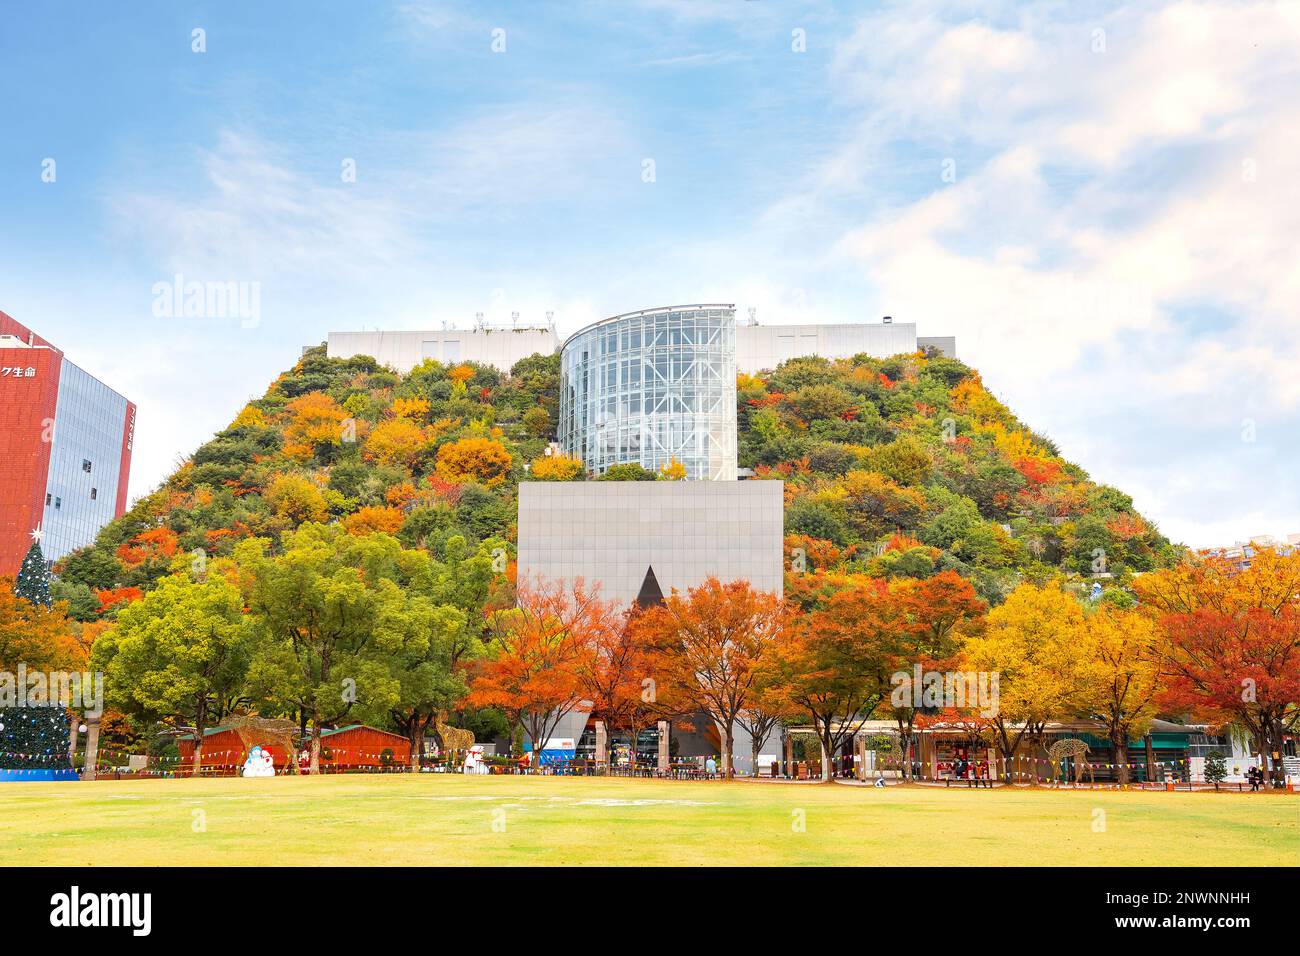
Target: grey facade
(612, 532)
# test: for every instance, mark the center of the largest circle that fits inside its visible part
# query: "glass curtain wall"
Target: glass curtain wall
(653, 387)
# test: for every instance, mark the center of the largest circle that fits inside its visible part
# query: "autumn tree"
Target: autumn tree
(617, 676)
(555, 468)
(538, 652)
(713, 642)
(315, 423)
(1033, 643)
(764, 711)
(296, 499)
(924, 617)
(371, 518)
(180, 653)
(1119, 675)
(41, 637)
(875, 504)
(1232, 649)
(397, 441)
(484, 460)
(835, 665)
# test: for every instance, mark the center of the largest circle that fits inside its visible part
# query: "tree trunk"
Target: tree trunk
(314, 766)
(1121, 760)
(1273, 740)
(200, 725)
(417, 745)
(753, 755)
(826, 759)
(724, 737)
(92, 748)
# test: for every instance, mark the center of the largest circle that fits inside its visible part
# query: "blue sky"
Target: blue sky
(1100, 201)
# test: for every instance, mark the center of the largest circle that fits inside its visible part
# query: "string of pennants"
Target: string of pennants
(341, 759)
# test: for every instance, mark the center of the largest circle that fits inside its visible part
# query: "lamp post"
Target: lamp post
(92, 748)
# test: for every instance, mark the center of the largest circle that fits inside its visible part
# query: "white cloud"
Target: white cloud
(1101, 199)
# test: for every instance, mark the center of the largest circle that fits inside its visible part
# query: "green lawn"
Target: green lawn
(455, 820)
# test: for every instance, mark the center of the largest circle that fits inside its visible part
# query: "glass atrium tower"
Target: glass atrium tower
(650, 387)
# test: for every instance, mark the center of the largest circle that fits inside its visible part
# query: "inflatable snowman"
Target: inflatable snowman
(474, 760)
(260, 763)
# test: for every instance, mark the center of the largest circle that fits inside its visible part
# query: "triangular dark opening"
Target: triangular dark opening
(650, 593)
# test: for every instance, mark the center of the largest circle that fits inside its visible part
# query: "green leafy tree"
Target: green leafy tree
(336, 620)
(429, 671)
(181, 652)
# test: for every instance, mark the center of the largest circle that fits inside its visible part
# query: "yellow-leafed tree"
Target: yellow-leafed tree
(397, 441)
(556, 468)
(295, 498)
(1119, 675)
(1033, 643)
(484, 460)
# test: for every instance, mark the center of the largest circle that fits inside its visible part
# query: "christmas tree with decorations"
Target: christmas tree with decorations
(33, 581)
(34, 738)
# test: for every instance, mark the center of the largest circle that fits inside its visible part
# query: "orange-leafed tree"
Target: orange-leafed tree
(926, 617)
(711, 644)
(538, 652)
(156, 544)
(621, 677)
(372, 518)
(1232, 643)
(835, 666)
(41, 637)
(484, 460)
(110, 598)
(315, 421)
(764, 711)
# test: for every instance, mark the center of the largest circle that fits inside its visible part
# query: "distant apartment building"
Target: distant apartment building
(1242, 553)
(65, 440)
